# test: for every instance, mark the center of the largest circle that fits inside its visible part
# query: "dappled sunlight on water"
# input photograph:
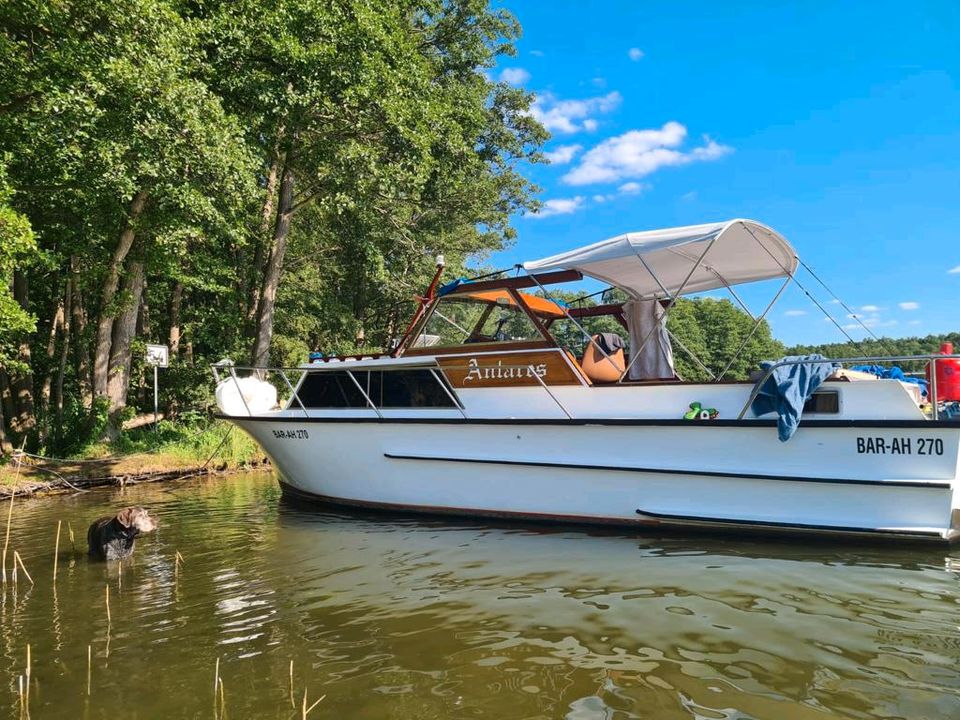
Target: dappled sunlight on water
(395, 617)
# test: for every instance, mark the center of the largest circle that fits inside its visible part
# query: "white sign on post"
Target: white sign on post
(158, 356)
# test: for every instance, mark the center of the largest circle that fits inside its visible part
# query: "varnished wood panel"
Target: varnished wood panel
(480, 370)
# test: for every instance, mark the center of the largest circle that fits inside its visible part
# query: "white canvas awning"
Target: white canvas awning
(646, 263)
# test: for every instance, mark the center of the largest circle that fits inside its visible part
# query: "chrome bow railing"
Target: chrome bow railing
(223, 371)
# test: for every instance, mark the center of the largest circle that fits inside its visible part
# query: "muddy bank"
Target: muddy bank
(43, 477)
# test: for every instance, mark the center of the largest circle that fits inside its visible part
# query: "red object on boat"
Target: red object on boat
(948, 376)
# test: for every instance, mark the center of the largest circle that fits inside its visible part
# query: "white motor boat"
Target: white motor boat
(483, 408)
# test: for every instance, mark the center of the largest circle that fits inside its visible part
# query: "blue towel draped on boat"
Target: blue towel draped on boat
(789, 387)
(892, 373)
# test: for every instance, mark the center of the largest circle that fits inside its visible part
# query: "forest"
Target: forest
(252, 180)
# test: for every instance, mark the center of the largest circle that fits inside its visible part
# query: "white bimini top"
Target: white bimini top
(673, 261)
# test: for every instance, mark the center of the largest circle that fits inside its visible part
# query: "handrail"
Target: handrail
(435, 370)
(440, 375)
(931, 358)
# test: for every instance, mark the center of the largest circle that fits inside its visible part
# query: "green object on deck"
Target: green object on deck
(698, 412)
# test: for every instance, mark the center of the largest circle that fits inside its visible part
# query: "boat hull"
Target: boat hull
(878, 479)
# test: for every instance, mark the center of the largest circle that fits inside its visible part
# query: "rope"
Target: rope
(222, 443)
(828, 315)
(850, 312)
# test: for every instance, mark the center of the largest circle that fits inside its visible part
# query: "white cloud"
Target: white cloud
(834, 302)
(954, 271)
(559, 206)
(570, 116)
(630, 188)
(562, 154)
(689, 197)
(537, 53)
(870, 308)
(915, 322)
(909, 306)
(795, 313)
(638, 153)
(514, 75)
(635, 53)
(599, 82)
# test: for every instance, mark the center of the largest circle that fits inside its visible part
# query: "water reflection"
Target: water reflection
(403, 618)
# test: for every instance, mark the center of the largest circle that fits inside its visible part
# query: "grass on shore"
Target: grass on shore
(175, 447)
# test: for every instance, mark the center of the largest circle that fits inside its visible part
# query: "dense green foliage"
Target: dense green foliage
(175, 160)
(168, 162)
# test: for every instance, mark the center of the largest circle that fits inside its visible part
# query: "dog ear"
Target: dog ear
(127, 516)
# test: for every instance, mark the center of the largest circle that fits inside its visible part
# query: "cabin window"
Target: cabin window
(414, 388)
(823, 402)
(330, 390)
(482, 317)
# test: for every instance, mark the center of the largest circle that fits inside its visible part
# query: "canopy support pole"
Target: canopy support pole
(692, 355)
(756, 325)
(635, 353)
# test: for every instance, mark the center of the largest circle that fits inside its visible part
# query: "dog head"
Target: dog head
(136, 518)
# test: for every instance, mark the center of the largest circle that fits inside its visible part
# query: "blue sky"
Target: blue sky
(837, 124)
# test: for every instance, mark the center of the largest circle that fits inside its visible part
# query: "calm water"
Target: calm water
(401, 618)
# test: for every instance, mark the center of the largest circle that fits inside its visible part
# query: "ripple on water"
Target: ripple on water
(410, 618)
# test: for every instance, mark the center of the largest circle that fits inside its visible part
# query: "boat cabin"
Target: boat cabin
(491, 318)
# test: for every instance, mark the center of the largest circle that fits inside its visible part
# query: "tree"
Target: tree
(17, 248)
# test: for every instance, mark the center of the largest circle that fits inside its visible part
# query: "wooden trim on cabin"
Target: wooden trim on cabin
(505, 369)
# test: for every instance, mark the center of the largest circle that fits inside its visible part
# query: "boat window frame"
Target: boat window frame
(360, 395)
(546, 341)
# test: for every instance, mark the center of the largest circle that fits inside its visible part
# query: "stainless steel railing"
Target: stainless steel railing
(438, 373)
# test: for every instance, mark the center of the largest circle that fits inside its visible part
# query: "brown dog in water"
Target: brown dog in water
(112, 537)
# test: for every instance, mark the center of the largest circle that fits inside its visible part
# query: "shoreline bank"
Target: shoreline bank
(39, 478)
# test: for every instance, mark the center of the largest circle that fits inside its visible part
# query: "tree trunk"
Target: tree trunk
(57, 393)
(23, 420)
(175, 299)
(78, 326)
(55, 328)
(271, 280)
(6, 448)
(102, 353)
(123, 332)
(267, 216)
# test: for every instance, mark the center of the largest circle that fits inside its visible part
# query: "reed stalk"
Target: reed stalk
(19, 560)
(293, 702)
(89, 667)
(223, 700)
(20, 693)
(216, 685)
(73, 545)
(107, 595)
(13, 492)
(56, 552)
(27, 695)
(306, 710)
